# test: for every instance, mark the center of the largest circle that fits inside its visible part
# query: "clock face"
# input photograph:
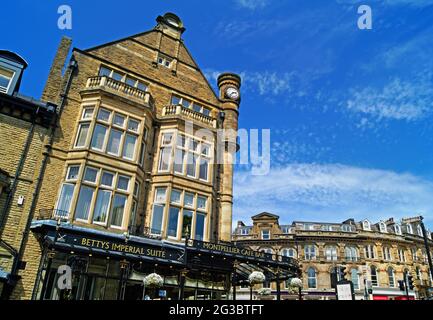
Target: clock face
(232, 93)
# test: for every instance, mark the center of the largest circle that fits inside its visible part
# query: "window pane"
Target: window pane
(64, 203)
(5, 78)
(104, 72)
(160, 195)
(196, 108)
(102, 205)
(98, 137)
(166, 138)
(204, 165)
(136, 189)
(199, 227)
(201, 203)
(123, 183)
(206, 112)
(119, 120)
(82, 135)
(113, 146)
(119, 204)
(131, 82)
(186, 224)
(90, 175)
(164, 160)
(178, 161)
(173, 218)
(84, 202)
(133, 125)
(175, 196)
(205, 149)
(87, 113)
(181, 141)
(191, 164)
(141, 86)
(175, 100)
(73, 172)
(117, 76)
(104, 115)
(186, 103)
(158, 211)
(107, 179)
(189, 200)
(129, 147)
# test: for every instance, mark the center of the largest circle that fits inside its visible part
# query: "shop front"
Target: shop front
(108, 266)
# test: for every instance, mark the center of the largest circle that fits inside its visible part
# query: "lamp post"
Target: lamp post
(427, 248)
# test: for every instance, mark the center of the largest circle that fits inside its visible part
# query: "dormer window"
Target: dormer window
(5, 79)
(366, 225)
(266, 234)
(164, 61)
(419, 230)
(382, 227)
(409, 228)
(244, 231)
(285, 230)
(346, 228)
(397, 229)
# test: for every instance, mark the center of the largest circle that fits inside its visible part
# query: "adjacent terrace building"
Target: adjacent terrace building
(375, 254)
(131, 183)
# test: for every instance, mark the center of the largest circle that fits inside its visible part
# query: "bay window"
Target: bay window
(186, 214)
(113, 133)
(101, 199)
(190, 158)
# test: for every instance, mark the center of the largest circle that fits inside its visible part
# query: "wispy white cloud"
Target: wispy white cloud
(262, 83)
(408, 100)
(332, 192)
(252, 4)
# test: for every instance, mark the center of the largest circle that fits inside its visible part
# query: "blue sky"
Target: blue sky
(350, 111)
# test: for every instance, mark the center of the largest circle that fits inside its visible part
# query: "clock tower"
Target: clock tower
(229, 95)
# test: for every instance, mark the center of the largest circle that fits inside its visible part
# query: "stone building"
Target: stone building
(138, 177)
(375, 255)
(25, 124)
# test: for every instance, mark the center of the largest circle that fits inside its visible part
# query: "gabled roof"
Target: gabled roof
(265, 215)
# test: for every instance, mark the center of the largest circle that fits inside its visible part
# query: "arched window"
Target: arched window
(355, 278)
(397, 229)
(382, 227)
(373, 275)
(387, 253)
(288, 252)
(366, 225)
(331, 253)
(419, 230)
(312, 279)
(310, 252)
(346, 228)
(351, 254)
(391, 277)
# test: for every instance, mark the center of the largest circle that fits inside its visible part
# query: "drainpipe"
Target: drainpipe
(15, 268)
